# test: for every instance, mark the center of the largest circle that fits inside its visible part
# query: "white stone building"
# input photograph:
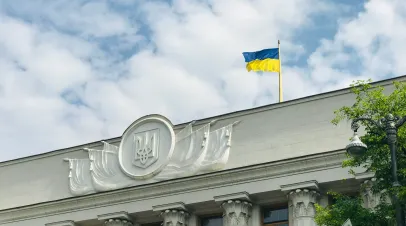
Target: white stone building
(258, 167)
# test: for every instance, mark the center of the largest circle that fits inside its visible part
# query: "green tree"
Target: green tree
(373, 102)
(346, 207)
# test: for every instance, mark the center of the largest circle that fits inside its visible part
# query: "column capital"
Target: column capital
(117, 222)
(302, 196)
(237, 208)
(173, 214)
(302, 202)
(116, 219)
(175, 217)
(236, 212)
(370, 198)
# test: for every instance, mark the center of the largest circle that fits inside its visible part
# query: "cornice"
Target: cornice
(169, 206)
(313, 185)
(244, 196)
(118, 215)
(182, 185)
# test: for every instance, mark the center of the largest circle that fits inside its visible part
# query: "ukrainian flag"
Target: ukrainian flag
(264, 60)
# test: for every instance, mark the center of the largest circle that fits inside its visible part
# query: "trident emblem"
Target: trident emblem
(145, 148)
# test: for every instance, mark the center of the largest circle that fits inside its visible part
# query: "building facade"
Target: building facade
(266, 166)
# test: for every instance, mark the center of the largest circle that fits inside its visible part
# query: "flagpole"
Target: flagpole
(280, 73)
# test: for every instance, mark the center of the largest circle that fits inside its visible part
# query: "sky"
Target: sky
(73, 72)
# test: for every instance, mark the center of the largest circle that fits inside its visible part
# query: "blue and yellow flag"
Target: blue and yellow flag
(264, 60)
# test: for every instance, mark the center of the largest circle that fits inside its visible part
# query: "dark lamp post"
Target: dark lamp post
(390, 125)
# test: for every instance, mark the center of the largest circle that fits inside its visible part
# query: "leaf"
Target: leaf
(373, 102)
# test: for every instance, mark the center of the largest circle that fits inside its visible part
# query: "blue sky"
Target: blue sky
(78, 71)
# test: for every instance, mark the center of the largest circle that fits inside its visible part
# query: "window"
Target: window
(276, 217)
(212, 221)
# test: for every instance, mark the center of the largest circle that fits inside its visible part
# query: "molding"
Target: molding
(364, 175)
(242, 196)
(312, 184)
(322, 161)
(169, 206)
(118, 215)
(62, 223)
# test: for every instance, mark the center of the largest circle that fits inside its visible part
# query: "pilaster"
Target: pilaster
(173, 214)
(193, 220)
(256, 215)
(237, 209)
(116, 219)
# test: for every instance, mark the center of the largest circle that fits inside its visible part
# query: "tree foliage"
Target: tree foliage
(346, 207)
(373, 102)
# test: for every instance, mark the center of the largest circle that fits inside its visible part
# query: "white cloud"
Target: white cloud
(86, 18)
(375, 42)
(35, 69)
(207, 42)
(67, 78)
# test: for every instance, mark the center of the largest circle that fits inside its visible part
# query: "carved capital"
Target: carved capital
(118, 222)
(370, 198)
(236, 212)
(116, 219)
(174, 217)
(302, 201)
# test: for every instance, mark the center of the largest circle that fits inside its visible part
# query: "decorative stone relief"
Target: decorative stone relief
(175, 218)
(150, 150)
(302, 202)
(80, 179)
(236, 212)
(370, 199)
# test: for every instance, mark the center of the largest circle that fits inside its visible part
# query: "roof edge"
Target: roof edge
(229, 115)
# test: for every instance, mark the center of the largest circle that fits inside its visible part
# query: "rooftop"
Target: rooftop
(218, 117)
